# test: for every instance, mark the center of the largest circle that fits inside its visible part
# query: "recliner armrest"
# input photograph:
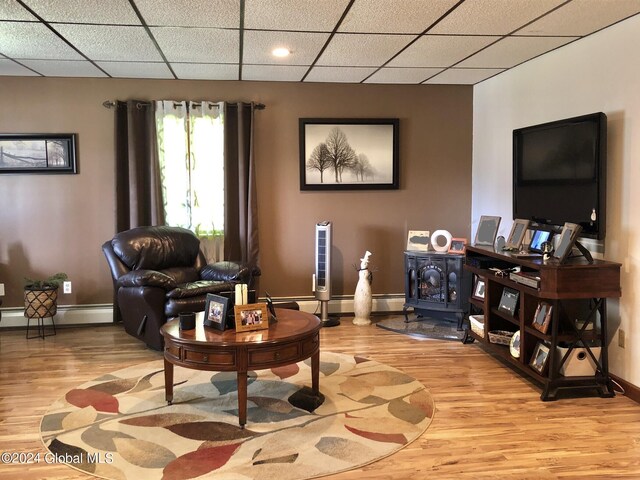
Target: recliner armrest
(146, 278)
(229, 272)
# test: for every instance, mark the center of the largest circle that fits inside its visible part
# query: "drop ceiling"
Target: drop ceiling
(352, 41)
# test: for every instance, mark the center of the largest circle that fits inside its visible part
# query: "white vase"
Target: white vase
(362, 298)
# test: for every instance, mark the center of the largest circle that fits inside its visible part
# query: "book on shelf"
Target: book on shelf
(530, 279)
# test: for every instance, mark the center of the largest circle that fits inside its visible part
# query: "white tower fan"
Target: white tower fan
(322, 277)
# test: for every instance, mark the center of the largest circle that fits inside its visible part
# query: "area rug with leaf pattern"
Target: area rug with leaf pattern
(119, 426)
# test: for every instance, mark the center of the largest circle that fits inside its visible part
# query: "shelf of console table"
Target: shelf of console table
(576, 284)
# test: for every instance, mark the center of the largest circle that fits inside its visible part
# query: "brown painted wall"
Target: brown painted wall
(51, 223)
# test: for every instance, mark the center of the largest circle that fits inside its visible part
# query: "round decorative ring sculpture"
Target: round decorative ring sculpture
(434, 241)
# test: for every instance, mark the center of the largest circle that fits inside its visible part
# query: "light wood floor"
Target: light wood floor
(489, 421)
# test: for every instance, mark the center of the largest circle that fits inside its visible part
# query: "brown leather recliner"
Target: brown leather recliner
(159, 272)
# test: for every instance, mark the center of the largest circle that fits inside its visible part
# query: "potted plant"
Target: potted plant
(41, 296)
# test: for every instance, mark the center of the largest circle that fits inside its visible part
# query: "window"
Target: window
(191, 153)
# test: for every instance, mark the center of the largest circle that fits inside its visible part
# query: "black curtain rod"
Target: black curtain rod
(112, 104)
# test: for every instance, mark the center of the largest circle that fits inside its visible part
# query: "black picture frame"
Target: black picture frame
(538, 238)
(365, 150)
(509, 301)
(271, 308)
(215, 311)
(38, 153)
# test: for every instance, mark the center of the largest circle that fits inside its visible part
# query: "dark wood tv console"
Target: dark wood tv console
(577, 292)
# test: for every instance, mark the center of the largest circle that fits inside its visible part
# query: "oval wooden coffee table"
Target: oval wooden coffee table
(293, 338)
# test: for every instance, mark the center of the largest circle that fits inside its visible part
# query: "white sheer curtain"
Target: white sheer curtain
(191, 153)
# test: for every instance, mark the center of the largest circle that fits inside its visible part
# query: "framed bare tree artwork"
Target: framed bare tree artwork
(38, 153)
(348, 154)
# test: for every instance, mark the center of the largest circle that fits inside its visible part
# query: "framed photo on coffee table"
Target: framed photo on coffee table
(215, 311)
(253, 316)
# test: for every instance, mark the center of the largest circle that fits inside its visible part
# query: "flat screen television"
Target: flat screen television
(559, 173)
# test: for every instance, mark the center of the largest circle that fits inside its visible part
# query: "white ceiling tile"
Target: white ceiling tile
(191, 13)
(582, 17)
(85, 11)
(304, 47)
(513, 50)
(273, 73)
(393, 16)
(33, 40)
(377, 38)
(463, 76)
(362, 50)
(12, 10)
(493, 17)
(136, 69)
(198, 45)
(11, 68)
(339, 74)
(64, 68)
(110, 43)
(205, 71)
(440, 50)
(308, 15)
(403, 75)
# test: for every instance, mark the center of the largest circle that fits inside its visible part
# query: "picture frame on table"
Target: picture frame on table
(540, 358)
(271, 308)
(516, 236)
(231, 295)
(487, 231)
(478, 288)
(253, 316)
(568, 236)
(419, 241)
(542, 317)
(458, 245)
(215, 311)
(349, 153)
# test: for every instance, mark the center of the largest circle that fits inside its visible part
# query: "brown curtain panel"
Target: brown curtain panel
(138, 185)
(241, 212)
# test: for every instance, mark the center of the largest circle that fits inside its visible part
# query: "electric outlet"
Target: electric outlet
(66, 287)
(1, 289)
(621, 338)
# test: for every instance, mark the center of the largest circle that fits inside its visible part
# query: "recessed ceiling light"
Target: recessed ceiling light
(280, 52)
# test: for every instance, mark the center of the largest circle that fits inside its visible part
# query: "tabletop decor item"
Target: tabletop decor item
(252, 316)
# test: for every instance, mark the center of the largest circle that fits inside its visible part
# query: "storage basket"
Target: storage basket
(477, 324)
(40, 303)
(579, 363)
(501, 337)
